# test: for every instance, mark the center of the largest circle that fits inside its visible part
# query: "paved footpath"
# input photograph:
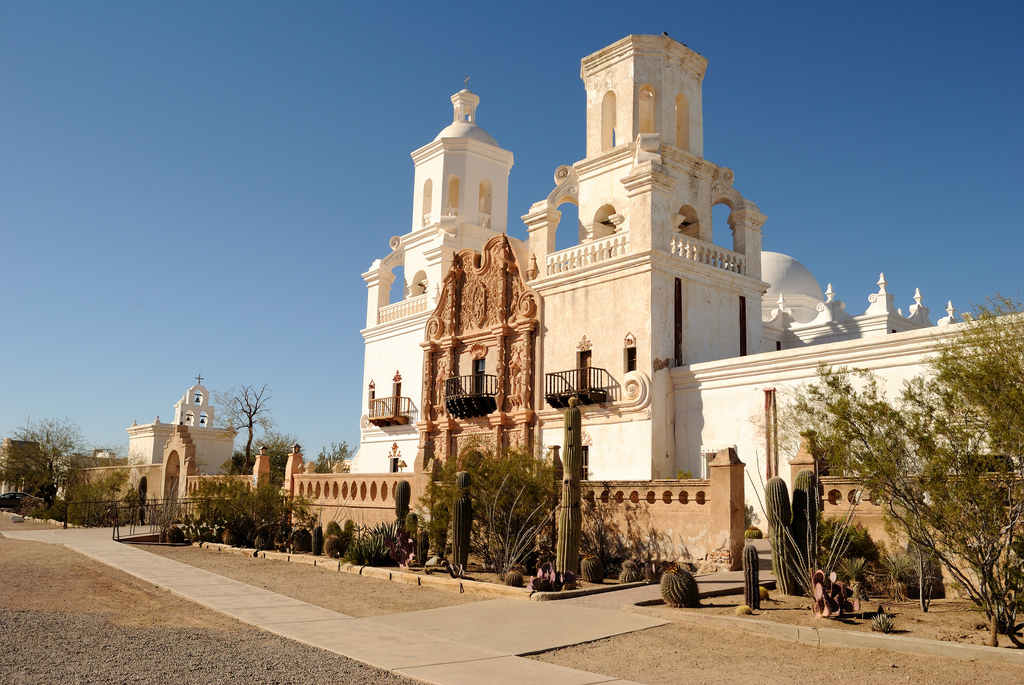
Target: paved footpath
(474, 643)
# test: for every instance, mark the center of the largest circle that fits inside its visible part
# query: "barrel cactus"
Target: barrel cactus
(332, 529)
(753, 533)
(175, 536)
(333, 547)
(302, 540)
(317, 540)
(462, 521)
(679, 588)
(630, 572)
(751, 578)
(592, 569)
(780, 516)
(230, 538)
(263, 540)
(570, 516)
(514, 579)
(403, 493)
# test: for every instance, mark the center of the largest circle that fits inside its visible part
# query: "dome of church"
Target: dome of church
(788, 277)
(464, 129)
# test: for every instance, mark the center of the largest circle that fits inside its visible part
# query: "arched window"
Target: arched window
(646, 109)
(608, 121)
(453, 196)
(202, 418)
(189, 419)
(603, 225)
(428, 201)
(570, 230)
(199, 398)
(682, 122)
(721, 229)
(687, 222)
(399, 288)
(485, 203)
(419, 284)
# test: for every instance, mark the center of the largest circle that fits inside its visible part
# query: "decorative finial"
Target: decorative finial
(949, 309)
(829, 293)
(782, 300)
(882, 284)
(465, 81)
(917, 296)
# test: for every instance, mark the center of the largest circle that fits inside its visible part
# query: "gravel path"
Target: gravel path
(65, 618)
(52, 646)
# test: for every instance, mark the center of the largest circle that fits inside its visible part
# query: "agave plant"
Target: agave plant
(882, 623)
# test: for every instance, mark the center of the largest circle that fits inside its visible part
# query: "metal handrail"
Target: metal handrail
(387, 407)
(575, 380)
(471, 386)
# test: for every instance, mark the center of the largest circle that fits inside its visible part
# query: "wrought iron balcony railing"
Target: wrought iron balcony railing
(390, 411)
(466, 396)
(589, 385)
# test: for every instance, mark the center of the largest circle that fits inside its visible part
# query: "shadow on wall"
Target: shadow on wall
(615, 532)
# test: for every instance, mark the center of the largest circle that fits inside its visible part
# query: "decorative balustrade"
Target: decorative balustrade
(708, 253)
(426, 219)
(451, 211)
(485, 220)
(695, 491)
(589, 385)
(400, 310)
(466, 396)
(588, 253)
(389, 411)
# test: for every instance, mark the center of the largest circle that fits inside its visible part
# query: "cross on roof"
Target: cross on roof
(199, 379)
(465, 81)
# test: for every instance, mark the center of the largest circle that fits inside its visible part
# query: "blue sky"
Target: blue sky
(191, 187)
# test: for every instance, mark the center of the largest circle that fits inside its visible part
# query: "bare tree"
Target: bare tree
(248, 408)
(42, 456)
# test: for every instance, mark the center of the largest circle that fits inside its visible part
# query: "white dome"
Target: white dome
(464, 129)
(787, 277)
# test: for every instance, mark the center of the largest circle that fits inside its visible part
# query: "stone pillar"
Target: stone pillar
(746, 237)
(378, 284)
(803, 460)
(293, 466)
(541, 223)
(649, 190)
(261, 469)
(728, 503)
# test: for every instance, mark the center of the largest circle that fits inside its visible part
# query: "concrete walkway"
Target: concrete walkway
(709, 585)
(473, 643)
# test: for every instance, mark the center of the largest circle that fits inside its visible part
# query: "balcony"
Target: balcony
(390, 411)
(589, 385)
(467, 396)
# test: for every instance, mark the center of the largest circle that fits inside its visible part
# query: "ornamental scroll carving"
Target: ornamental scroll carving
(486, 312)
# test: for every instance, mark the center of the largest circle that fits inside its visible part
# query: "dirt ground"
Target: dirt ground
(345, 593)
(953, 620)
(69, 619)
(677, 652)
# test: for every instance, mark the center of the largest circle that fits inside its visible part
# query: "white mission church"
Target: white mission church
(675, 346)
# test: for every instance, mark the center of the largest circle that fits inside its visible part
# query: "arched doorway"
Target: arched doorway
(171, 471)
(143, 489)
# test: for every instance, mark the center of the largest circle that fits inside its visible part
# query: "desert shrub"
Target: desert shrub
(859, 542)
(513, 494)
(93, 500)
(369, 547)
(220, 504)
(897, 575)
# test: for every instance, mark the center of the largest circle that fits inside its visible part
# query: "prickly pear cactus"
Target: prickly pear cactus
(751, 578)
(679, 588)
(403, 492)
(462, 521)
(318, 540)
(780, 517)
(570, 515)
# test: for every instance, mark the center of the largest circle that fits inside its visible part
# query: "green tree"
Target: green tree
(337, 454)
(514, 495)
(43, 456)
(945, 455)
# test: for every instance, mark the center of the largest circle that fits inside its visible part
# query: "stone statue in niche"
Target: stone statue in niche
(478, 305)
(516, 374)
(439, 381)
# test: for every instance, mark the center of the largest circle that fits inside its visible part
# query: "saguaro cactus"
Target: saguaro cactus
(570, 516)
(779, 518)
(806, 504)
(403, 492)
(462, 521)
(751, 578)
(318, 540)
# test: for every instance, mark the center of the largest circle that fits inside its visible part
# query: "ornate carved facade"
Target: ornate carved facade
(479, 354)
